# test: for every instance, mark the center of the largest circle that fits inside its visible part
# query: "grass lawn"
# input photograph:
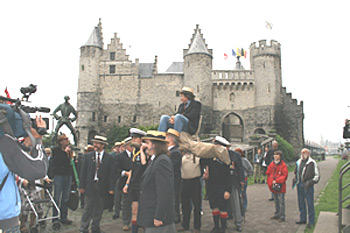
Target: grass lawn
(329, 200)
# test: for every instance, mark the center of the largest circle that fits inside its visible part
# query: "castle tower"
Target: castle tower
(88, 96)
(266, 63)
(198, 61)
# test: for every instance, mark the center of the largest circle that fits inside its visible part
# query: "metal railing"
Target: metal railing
(345, 168)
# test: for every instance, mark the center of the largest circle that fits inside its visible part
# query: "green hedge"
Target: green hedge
(286, 148)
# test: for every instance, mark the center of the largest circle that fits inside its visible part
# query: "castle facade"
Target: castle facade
(236, 103)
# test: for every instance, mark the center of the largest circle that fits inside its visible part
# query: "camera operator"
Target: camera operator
(14, 160)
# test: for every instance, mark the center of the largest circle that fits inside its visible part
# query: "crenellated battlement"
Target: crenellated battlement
(290, 98)
(222, 75)
(263, 49)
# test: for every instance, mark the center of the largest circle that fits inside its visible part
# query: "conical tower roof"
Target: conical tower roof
(95, 38)
(197, 43)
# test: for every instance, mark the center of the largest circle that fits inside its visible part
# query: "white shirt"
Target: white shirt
(96, 157)
(129, 155)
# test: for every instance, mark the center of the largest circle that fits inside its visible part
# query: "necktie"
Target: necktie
(98, 161)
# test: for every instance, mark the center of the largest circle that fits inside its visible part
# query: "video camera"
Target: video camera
(17, 115)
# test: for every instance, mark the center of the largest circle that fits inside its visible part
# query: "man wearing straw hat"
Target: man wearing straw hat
(156, 204)
(187, 116)
(97, 180)
(173, 138)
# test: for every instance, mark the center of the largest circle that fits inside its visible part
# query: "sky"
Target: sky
(40, 44)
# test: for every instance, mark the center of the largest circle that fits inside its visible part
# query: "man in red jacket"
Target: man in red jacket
(277, 174)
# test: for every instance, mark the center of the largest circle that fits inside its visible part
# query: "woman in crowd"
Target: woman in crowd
(277, 174)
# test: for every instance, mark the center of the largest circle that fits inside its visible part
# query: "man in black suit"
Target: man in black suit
(97, 180)
(156, 204)
(123, 167)
(172, 136)
(187, 116)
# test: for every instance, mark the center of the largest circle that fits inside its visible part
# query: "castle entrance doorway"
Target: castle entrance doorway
(232, 128)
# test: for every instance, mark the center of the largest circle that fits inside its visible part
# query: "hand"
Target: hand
(82, 191)
(172, 120)
(25, 183)
(143, 146)
(273, 182)
(125, 189)
(157, 223)
(127, 173)
(111, 192)
(67, 149)
(227, 195)
(40, 122)
(47, 180)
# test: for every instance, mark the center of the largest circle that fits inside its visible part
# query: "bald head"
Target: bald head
(305, 154)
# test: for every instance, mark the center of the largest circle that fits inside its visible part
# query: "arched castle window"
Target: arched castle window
(259, 131)
(93, 117)
(232, 97)
(82, 67)
(119, 119)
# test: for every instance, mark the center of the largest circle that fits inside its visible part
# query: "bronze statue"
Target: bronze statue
(66, 109)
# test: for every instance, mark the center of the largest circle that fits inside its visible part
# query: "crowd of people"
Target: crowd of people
(154, 181)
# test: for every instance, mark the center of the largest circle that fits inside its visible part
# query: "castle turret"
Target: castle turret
(197, 71)
(88, 96)
(266, 62)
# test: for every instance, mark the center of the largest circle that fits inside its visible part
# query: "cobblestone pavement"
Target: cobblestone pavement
(257, 217)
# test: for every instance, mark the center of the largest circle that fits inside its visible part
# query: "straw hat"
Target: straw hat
(188, 90)
(155, 136)
(100, 139)
(173, 132)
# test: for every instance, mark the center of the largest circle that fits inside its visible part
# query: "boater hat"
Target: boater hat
(155, 136)
(187, 90)
(221, 140)
(117, 144)
(127, 140)
(100, 139)
(173, 132)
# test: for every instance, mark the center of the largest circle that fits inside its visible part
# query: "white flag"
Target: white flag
(269, 25)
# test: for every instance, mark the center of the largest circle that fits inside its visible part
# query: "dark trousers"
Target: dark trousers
(126, 207)
(191, 194)
(177, 193)
(308, 196)
(117, 198)
(61, 196)
(93, 209)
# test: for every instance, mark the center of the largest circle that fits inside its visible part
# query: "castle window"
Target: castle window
(232, 97)
(268, 88)
(112, 69)
(175, 108)
(93, 118)
(197, 88)
(264, 65)
(119, 119)
(105, 118)
(177, 93)
(134, 119)
(112, 56)
(82, 67)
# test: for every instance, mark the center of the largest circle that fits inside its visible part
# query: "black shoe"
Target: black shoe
(239, 229)
(255, 182)
(271, 199)
(300, 222)
(263, 182)
(66, 221)
(115, 216)
(310, 226)
(281, 220)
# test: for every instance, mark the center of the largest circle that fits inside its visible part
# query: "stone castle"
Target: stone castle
(236, 103)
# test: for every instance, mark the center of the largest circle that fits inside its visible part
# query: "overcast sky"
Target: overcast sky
(40, 43)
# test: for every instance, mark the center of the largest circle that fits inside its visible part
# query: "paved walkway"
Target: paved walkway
(258, 214)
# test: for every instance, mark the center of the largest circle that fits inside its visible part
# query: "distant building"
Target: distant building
(237, 103)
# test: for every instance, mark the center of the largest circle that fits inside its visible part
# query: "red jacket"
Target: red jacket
(278, 172)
